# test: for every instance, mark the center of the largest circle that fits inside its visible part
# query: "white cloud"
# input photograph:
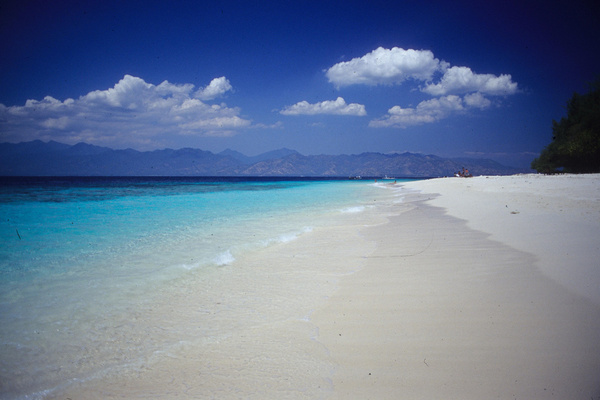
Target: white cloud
(129, 93)
(58, 123)
(460, 80)
(442, 106)
(333, 107)
(130, 113)
(477, 100)
(426, 112)
(399, 117)
(166, 88)
(394, 66)
(216, 88)
(429, 111)
(260, 125)
(386, 66)
(230, 122)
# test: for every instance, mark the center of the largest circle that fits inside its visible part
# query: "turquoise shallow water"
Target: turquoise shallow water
(77, 255)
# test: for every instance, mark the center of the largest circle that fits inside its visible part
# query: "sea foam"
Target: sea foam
(224, 258)
(287, 237)
(355, 209)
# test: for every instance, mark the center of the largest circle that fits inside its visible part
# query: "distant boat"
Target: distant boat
(355, 177)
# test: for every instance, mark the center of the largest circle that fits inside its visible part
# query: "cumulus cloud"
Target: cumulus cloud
(394, 66)
(133, 111)
(477, 100)
(130, 93)
(436, 78)
(428, 111)
(333, 107)
(386, 66)
(460, 80)
(216, 88)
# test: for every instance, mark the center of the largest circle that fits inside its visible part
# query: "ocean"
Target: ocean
(84, 261)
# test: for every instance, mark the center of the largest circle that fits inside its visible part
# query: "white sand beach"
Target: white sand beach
(477, 288)
(494, 293)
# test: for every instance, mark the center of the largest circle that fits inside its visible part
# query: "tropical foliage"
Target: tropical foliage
(575, 145)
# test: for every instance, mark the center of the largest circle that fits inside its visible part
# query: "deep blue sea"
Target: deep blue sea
(79, 255)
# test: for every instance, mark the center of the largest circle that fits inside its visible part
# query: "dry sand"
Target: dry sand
(555, 218)
(496, 295)
(466, 289)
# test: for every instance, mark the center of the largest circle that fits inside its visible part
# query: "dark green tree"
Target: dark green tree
(575, 145)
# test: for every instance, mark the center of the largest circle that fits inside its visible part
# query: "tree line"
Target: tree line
(575, 146)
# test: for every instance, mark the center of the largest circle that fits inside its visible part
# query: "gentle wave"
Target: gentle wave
(288, 237)
(227, 258)
(224, 258)
(352, 210)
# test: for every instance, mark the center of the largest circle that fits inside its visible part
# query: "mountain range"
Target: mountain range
(39, 158)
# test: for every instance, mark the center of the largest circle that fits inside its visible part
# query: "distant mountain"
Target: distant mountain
(376, 164)
(236, 155)
(38, 158)
(26, 159)
(270, 155)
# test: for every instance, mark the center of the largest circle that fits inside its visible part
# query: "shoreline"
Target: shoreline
(406, 299)
(266, 299)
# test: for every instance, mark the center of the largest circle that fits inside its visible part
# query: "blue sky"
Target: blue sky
(457, 79)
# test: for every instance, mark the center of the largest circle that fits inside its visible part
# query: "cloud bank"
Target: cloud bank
(394, 66)
(131, 112)
(332, 107)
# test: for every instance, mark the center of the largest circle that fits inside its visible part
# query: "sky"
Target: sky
(482, 79)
